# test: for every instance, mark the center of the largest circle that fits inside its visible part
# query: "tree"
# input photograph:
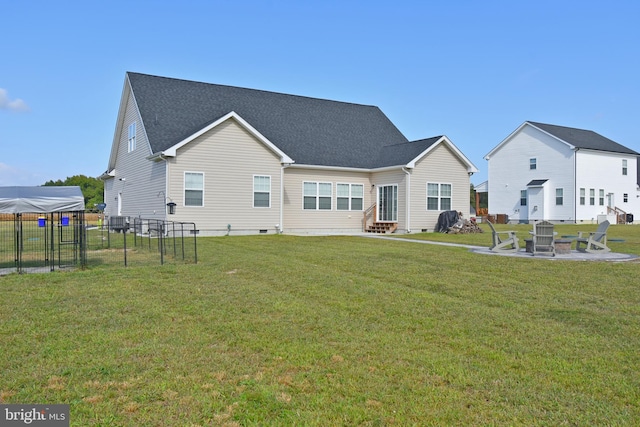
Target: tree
(92, 188)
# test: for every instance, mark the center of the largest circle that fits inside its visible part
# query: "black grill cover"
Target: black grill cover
(445, 220)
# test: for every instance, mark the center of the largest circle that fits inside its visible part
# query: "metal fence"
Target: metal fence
(54, 241)
(33, 242)
(128, 241)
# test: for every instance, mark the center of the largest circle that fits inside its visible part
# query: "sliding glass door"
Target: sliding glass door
(388, 203)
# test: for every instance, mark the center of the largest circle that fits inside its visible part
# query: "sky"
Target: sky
(473, 71)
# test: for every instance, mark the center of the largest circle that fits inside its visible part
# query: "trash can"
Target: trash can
(629, 218)
(42, 222)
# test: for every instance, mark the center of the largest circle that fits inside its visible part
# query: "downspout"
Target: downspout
(280, 226)
(408, 199)
(576, 196)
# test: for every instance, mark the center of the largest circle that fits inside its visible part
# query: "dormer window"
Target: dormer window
(132, 137)
(533, 164)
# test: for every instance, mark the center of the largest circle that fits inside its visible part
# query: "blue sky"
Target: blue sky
(471, 70)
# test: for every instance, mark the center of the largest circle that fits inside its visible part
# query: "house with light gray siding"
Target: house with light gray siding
(562, 174)
(243, 161)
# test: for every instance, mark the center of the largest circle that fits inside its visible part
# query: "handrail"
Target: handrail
(370, 211)
(621, 216)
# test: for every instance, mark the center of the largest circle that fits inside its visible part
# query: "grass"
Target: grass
(284, 330)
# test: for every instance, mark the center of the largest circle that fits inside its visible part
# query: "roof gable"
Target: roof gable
(411, 152)
(309, 130)
(171, 151)
(575, 138)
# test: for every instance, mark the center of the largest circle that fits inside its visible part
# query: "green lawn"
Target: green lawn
(284, 330)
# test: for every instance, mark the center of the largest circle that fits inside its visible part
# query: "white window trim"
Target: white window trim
(440, 184)
(394, 208)
(131, 139)
(184, 189)
(350, 197)
(561, 196)
(254, 191)
(317, 195)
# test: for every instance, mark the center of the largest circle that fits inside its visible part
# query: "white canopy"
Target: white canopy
(40, 199)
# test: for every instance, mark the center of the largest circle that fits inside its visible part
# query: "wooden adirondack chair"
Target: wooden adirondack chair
(508, 243)
(543, 238)
(595, 241)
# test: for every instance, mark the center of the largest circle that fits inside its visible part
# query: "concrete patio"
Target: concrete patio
(522, 253)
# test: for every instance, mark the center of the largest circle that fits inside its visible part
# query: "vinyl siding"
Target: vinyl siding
(143, 180)
(299, 220)
(608, 177)
(509, 173)
(229, 156)
(439, 166)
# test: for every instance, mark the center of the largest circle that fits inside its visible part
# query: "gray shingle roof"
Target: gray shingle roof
(399, 154)
(311, 131)
(584, 139)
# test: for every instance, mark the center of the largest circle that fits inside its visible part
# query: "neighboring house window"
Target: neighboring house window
(624, 167)
(261, 191)
(132, 137)
(438, 196)
(349, 197)
(533, 164)
(625, 197)
(317, 195)
(601, 198)
(523, 197)
(592, 196)
(559, 196)
(193, 189)
(582, 196)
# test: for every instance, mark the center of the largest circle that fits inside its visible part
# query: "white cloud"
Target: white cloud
(12, 105)
(12, 176)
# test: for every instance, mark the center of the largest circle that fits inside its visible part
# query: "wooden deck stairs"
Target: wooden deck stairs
(370, 222)
(382, 227)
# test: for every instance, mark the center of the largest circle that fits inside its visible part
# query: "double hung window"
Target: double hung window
(438, 196)
(261, 191)
(559, 196)
(194, 189)
(317, 195)
(349, 197)
(132, 137)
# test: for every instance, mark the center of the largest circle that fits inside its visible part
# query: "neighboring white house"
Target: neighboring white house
(556, 173)
(252, 161)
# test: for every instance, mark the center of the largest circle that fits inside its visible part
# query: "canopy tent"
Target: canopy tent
(15, 200)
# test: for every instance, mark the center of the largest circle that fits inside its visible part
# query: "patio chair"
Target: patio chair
(543, 238)
(595, 241)
(506, 244)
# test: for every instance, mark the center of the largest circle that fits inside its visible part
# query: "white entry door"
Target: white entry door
(536, 203)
